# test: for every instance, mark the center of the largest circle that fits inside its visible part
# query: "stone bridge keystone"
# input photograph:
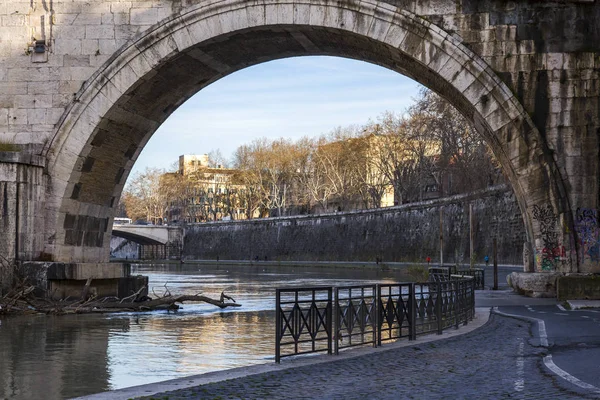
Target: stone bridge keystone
(526, 74)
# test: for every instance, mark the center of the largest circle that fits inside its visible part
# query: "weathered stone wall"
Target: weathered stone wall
(123, 248)
(403, 233)
(546, 53)
(22, 190)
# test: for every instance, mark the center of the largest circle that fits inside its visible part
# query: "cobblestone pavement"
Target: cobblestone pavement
(496, 361)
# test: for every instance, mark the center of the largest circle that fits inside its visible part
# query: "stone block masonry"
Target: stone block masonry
(407, 233)
(22, 187)
(85, 84)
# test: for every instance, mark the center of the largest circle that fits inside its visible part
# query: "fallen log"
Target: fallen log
(153, 304)
(20, 303)
(21, 300)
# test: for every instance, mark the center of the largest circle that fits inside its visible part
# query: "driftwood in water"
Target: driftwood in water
(21, 301)
(160, 303)
(18, 298)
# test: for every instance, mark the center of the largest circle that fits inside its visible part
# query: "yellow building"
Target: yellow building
(207, 192)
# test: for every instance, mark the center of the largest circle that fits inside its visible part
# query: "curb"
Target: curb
(548, 358)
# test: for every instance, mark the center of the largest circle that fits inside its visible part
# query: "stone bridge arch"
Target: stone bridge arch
(118, 109)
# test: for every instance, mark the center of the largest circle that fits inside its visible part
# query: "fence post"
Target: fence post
(495, 256)
(376, 316)
(412, 313)
(337, 323)
(456, 294)
(441, 237)
(379, 319)
(438, 308)
(472, 305)
(467, 297)
(277, 327)
(471, 238)
(483, 279)
(329, 322)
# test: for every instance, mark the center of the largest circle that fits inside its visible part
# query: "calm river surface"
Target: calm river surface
(58, 357)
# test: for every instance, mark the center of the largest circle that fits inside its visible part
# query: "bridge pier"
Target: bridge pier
(22, 205)
(23, 188)
(61, 280)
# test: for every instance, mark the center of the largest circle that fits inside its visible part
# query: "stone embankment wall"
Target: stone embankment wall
(403, 233)
(123, 249)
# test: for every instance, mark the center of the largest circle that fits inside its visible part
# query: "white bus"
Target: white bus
(122, 221)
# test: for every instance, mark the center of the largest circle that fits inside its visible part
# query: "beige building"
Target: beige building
(207, 192)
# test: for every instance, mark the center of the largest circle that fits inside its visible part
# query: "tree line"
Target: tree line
(430, 150)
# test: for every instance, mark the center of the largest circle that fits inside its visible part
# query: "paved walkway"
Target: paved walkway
(493, 357)
(495, 362)
(499, 358)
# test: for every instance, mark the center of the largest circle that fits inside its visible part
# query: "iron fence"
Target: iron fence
(443, 274)
(303, 321)
(396, 311)
(356, 317)
(477, 273)
(310, 320)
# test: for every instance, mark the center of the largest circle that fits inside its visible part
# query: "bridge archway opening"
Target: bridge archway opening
(122, 105)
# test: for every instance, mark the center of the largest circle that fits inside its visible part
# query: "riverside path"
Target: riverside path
(499, 357)
(497, 361)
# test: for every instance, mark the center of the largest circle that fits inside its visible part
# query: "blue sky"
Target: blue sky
(293, 97)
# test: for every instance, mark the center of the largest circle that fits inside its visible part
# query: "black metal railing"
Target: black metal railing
(443, 274)
(477, 273)
(304, 321)
(396, 311)
(356, 317)
(310, 320)
(427, 308)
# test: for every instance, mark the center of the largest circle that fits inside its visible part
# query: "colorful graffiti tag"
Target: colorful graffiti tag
(586, 226)
(549, 256)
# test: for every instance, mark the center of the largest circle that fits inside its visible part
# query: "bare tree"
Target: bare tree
(150, 193)
(464, 158)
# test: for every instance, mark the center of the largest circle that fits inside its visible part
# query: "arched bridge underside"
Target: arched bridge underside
(102, 131)
(138, 237)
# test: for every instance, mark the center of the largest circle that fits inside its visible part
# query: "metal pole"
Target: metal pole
(471, 260)
(378, 313)
(375, 319)
(456, 293)
(495, 255)
(337, 323)
(441, 237)
(277, 326)
(438, 307)
(329, 320)
(412, 310)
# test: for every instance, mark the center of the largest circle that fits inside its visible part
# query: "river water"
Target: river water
(58, 357)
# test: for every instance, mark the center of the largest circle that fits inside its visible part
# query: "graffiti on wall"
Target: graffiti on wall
(551, 253)
(586, 226)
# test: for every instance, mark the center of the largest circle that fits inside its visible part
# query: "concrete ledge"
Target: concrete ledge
(61, 280)
(83, 271)
(583, 304)
(534, 284)
(578, 287)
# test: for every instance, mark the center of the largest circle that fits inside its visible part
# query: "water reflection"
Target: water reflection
(61, 357)
(54, 357)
